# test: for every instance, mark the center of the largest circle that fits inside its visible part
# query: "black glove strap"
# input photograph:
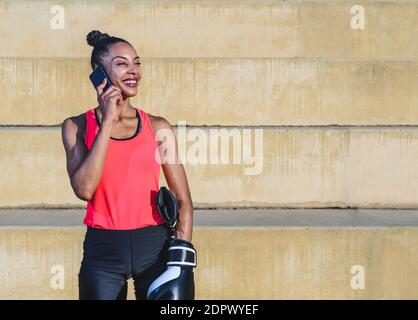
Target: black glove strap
(182, 256)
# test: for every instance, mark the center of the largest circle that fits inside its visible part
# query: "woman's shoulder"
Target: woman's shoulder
(80, 121)
(158, 122)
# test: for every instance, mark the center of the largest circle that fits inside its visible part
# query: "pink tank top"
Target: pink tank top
(125, 196)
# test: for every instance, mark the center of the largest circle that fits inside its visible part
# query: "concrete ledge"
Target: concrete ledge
(238, 218)
(287, 168)
(254, 254)
(223, 91)
(193, 28)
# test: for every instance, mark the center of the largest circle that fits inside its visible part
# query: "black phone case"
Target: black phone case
(97, 77)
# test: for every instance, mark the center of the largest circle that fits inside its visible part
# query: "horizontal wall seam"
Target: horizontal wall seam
(10, 127)
(354, 58)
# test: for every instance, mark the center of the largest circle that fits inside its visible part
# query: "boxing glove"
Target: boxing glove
(167, 207)
(177, 282)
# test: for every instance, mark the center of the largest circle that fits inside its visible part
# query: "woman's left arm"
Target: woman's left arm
(175, 176)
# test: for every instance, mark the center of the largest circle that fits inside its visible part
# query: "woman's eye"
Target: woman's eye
(124, 63)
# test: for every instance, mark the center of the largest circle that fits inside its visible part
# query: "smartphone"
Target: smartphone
(97, 77)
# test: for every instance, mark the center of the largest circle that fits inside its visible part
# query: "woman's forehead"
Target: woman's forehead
(122, 49)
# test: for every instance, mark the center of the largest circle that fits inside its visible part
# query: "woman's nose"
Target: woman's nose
(132, 69)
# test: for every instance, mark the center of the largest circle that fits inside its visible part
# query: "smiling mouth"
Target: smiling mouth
(130, 83)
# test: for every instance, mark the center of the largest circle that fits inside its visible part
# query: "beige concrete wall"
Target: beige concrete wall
(223, 91)
(308, 167)
(278, 63)
(264, 263)
(192, 28)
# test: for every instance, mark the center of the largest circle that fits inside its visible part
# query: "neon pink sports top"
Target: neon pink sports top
(125, 196)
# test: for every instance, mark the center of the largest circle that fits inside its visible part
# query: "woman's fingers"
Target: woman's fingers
(110, 90)
(115, 95)
(101, 86)
(105, 96)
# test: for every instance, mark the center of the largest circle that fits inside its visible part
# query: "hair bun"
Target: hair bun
(95, 36)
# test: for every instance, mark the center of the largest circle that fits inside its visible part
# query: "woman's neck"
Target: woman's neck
(124, 110)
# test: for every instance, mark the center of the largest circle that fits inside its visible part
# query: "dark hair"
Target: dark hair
(101, 43)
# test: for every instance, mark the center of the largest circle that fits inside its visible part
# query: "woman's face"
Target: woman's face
(122, 65)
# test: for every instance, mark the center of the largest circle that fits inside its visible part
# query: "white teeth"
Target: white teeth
(130, 81)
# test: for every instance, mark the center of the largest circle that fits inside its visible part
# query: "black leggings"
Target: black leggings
(111, 257)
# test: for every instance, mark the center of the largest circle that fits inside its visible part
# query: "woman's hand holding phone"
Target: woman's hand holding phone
(108, 101)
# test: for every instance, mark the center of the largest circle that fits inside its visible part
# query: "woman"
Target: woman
(114, 155)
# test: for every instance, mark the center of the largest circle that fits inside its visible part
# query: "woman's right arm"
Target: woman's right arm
(84, 167)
